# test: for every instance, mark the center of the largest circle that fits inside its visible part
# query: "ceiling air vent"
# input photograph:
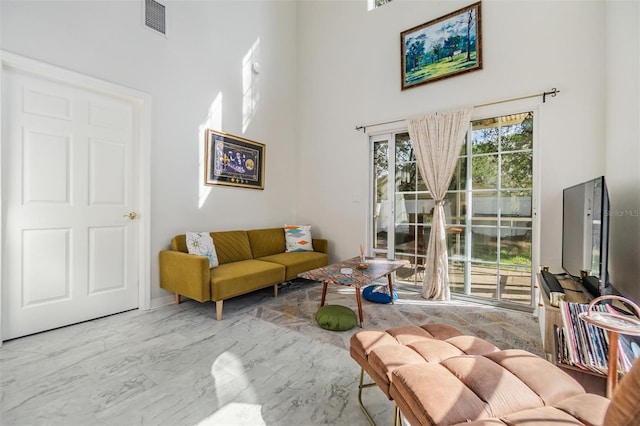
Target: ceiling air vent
(154, 16)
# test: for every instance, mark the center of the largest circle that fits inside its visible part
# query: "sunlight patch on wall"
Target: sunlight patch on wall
(250, 92)
(213, 121)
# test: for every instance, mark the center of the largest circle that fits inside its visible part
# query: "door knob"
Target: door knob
(131, 215)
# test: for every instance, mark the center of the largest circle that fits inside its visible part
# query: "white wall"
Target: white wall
(623, 143)
(349, 74)
(199, 63)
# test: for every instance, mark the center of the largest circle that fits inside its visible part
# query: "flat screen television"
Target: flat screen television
(585, 235)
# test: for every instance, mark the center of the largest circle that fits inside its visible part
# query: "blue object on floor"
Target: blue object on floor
(378, 297)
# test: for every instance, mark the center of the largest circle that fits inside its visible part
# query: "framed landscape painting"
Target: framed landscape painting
(442, 48)
(234, 161)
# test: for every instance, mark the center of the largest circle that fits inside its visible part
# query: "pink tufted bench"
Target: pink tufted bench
(379, 353)
(438, 376)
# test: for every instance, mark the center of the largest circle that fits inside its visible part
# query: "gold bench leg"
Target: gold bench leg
(361, 386)
(397, 417)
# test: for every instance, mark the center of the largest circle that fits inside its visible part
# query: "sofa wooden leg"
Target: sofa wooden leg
(176, 298)
(275, 290)
(219, 310)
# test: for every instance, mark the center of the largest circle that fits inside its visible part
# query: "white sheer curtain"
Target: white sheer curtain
(437, 140)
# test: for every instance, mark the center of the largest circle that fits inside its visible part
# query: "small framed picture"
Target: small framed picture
(442, 48)
(233, 161)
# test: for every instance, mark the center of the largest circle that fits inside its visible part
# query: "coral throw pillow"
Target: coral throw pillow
(201, 244)
(298, 237)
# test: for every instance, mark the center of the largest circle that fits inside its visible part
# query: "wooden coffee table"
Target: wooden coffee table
(358, 278)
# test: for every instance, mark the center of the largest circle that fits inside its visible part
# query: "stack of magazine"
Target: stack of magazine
(587, 346)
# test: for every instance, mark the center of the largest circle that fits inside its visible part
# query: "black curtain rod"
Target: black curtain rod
(553, 92)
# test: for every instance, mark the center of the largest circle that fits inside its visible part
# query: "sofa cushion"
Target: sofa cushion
(472, 345)
(232, 246)
(235, 278)
(494, 384)
(407, 334)
(589, 408)
(537, 373)
(541, 416)
(385, 359)
(201, 244)
(363, 342)
(266, 242)
(434, 350)
(297, 262)
(298, 238)
(429, 393)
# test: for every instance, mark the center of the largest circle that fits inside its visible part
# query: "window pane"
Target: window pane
(484, 280)
(413, 212)
(484, 171)
(517, 170)
(380, 227)
(515, 246)
(455, 206)
(455, 242)
(402, 201)
(483, 244)
(373, 4)
(516, 204)
(485, 208)
(515, 134)
(404, 241)
(406, 177)
(404, 148)
(422, 186)
(424, 205)
(381, 202)
(456, 276)
(423, 232)
(484, 136)
(515, 285)
(412, 273)
(459, 178)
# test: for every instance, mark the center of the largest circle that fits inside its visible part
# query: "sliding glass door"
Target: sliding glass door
(488, 210)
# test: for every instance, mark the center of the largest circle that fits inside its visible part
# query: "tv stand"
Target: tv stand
(591, 285)
(550, 318)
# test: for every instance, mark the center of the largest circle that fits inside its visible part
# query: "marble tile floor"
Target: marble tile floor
(265, 363)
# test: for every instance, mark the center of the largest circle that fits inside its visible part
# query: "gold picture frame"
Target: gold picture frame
(233, 161)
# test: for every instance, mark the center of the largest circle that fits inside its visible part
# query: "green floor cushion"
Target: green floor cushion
(336, 318)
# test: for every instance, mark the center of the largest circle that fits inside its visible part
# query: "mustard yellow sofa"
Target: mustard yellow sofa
(248, 261)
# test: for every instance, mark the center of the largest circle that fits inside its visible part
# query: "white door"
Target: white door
(69, 184)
